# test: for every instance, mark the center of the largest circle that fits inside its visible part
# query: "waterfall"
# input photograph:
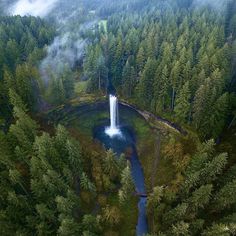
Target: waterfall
(113, 111)
(113, 129)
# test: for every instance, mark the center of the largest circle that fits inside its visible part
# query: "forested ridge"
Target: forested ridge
(175, 59)
(170, 61)
(21, 43)
(45, 178)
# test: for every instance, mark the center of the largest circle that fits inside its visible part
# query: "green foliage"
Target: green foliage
(21, 42)
(111, 165)
(168, 57)
(111, 215)
(59, 87)
(154, 198)
(200, 197)
(95, 69)
(86, 184)
(145, 87)
(226, 196)
(175, 214)
(193, 206)
(127, 185)
(182, 107)
(68, 227)
(128, 80)
(218, 230)
(166, 64)
(40, 174)
(180, 228)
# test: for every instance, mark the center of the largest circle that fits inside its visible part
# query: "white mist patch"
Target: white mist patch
(63, 52)
(67, 49)
(33, 7)
(213, 3)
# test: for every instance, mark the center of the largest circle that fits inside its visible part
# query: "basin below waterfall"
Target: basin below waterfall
(91, 121)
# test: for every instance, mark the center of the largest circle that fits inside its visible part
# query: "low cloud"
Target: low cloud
(65, 50)
(214, 3)
(33, 7)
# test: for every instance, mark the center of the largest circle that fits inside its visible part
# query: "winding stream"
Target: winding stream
(120, 144)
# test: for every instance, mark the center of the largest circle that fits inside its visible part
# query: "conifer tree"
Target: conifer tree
(226, 196)
(182, 107)
(145, 84)
(127, 185)
(110, 164)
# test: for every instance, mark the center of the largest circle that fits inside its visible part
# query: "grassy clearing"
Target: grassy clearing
(85, 123)
(81, 87)
(85, 100)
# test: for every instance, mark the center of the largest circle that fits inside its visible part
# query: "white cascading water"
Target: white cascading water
(113, 130)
